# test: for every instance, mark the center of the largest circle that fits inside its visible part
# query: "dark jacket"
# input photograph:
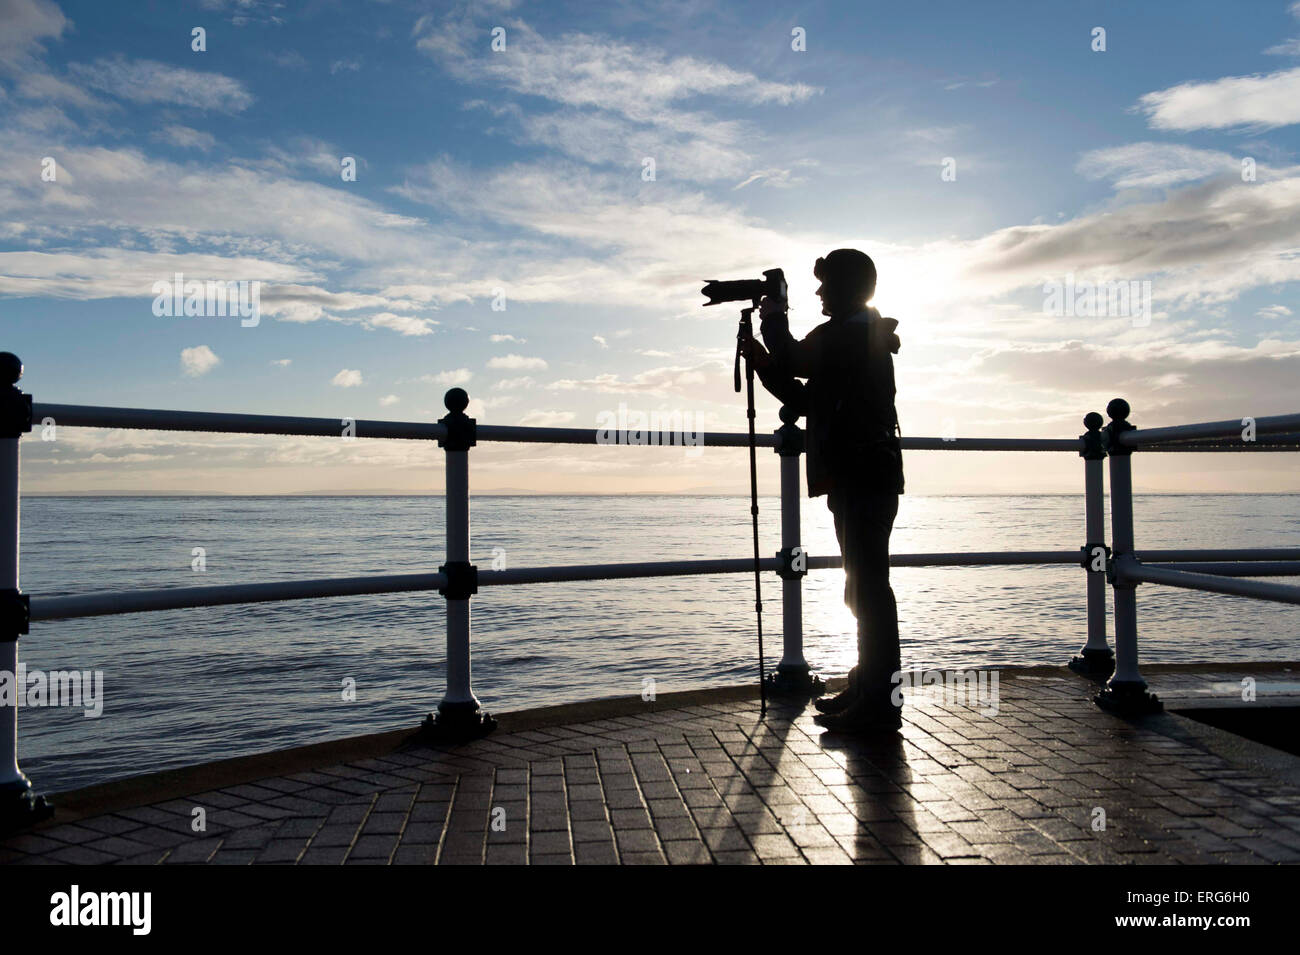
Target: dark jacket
(848, 398)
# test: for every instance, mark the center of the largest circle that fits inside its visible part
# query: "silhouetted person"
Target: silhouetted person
(853, 458)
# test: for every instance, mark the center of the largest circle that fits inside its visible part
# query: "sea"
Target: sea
(189, 686)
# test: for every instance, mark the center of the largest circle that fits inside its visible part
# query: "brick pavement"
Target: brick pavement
(663, 783)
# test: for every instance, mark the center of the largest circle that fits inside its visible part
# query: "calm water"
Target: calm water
(193, 685)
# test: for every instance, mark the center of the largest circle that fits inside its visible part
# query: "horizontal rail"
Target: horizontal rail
(1142, 437)
(1198, 447)
(175, 598)
(529, 435)
(151, 419)
(1178, 438)
(665, 568)
(148, 419)
(1129, 570)
(1259, 568)
(964, 559)
(1231, 553)
(991, 444)
(1234, 441)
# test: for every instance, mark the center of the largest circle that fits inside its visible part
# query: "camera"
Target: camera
(772, 283)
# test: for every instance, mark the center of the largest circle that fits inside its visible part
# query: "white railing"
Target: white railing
(459, 714)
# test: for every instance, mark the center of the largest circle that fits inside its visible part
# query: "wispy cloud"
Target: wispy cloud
(25, 25)
(1155, 164)
(185, 137)
(148, 81)
(546, 419)
(619, 102)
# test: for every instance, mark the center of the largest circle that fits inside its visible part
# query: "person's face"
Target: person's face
(835, 298)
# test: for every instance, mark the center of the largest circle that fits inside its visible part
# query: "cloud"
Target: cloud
(684, 146)
(587, 70)
(508, 384)
(236, 210)
(289, 59)
(777, 178)
(244, 12)
(184, 137)
(1290, 47)
(123, 273)
(515, 362)
(389, 400)
(148, 81)
(349, 64)
(282, 362)
(618, 101)
(1274, 311)
(404, 324)
(24, 26)
(507, 338)
(305, 153)
(641, 244)
(695, 380)
(450, 379)
(1155, 165)
(198, 360)
(1261, 100)
(546, 419)
(1166, 383)
(600, 340)
(1206, 244)
(347, 378)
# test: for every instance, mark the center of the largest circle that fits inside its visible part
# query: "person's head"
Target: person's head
(848, 281)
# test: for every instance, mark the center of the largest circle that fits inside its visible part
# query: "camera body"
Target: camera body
(745, 290)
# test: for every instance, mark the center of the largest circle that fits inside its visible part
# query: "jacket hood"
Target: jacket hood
(883, 330)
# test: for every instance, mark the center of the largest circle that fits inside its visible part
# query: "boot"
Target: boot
(862, 718)
(841, 701)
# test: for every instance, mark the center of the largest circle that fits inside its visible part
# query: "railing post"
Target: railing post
(1126, 693)
(19, 804)
(459, 716)
(793, 676)
(1095, 659)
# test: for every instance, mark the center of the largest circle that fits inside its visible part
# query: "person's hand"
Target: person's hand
(771, 307)
(758, 355)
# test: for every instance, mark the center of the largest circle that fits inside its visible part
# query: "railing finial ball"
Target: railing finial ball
(789, 415)
(1093, 421)
(1118, 409)
(11, 367)
(456, 400)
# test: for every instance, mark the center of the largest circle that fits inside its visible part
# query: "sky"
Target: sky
(540, 188)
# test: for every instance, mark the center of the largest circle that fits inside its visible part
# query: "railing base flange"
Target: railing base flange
(1129, 698)
(20, 806)
(454, 723)
(1094, 664)
(798, 682)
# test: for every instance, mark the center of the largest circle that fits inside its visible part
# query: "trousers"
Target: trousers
(863, 522)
